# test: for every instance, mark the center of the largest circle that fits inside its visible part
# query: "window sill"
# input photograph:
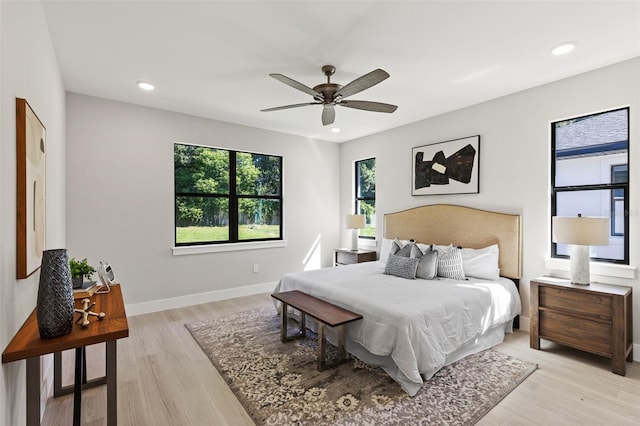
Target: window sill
(367, 242)
(216, 248)
(597, 268)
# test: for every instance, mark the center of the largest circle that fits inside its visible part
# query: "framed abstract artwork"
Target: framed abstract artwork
(450, 167)
(31, 186)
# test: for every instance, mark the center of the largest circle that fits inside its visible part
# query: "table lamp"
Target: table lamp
(580, 232)
(354, 222)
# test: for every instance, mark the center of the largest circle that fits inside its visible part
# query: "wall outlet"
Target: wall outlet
(256, 268)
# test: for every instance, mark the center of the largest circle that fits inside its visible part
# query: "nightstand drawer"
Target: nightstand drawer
(576, 332)
(574, 301)
(346, 258)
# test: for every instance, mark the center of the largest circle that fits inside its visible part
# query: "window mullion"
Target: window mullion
(233, 199)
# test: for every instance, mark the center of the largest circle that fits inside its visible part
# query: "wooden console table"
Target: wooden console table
(28, 345)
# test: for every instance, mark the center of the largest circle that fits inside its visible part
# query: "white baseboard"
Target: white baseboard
(524, 324)
(196, 299)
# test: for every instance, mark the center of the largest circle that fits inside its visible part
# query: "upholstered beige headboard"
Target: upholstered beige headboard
(461, 226)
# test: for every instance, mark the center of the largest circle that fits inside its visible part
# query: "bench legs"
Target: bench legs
(283, 327)
(322, 358)
(322, 355)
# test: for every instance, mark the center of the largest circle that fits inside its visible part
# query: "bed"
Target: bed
(411, 328)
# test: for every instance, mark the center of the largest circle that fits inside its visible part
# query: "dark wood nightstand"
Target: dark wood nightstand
(596, 318)
(347, 256)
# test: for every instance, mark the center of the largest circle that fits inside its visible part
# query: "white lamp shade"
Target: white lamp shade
(585, 231)
(354, 221)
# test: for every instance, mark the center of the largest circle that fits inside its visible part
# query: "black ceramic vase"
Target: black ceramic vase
(55, 295)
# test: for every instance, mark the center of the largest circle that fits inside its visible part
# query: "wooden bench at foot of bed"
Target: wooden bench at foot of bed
(325, 313)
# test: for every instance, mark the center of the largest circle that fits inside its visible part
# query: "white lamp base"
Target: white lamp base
(580, 273)
(354, 240)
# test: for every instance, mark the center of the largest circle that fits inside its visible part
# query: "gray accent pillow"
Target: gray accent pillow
(411, 249)
(405, 251)
(396, 246)
(415, 250)
(450, 263)
(403, 267)
(428, 266)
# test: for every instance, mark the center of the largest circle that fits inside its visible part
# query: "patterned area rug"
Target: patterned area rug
(278, 384)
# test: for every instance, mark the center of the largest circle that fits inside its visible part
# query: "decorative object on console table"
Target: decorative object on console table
(348, 256)
(596, 319)
(54, 310)
(80, 269)
(580, 232)
(354, 222)
(86, 312)
(88, 289)
(107, 277)
(450, 167)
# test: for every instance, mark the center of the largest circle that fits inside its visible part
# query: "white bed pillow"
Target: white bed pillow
(424, 248)
(481, 263)
(385, 248)
(450, 262)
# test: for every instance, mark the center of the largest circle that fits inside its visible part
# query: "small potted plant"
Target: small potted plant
(79, 270)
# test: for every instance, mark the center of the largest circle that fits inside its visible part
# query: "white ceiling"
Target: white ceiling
(212, 58)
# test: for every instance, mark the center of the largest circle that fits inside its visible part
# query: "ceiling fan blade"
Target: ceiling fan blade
(296, 85)
(328, 114)
(362, 83)
(289, 106)
(369, 106)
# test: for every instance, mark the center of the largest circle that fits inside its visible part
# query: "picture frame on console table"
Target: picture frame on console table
(31, 189)
(450, 167)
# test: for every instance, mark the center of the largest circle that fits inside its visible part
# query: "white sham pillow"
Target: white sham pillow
(424, 248)
(385, 249)
(481, 263)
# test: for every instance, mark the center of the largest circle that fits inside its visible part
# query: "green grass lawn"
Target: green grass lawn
(368, 232)
(196, 234)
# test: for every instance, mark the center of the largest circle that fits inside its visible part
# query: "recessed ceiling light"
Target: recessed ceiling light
(564, 48)
(336, 130)
(144, 85)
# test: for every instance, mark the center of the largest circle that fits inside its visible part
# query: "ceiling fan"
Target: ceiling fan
(331, 94)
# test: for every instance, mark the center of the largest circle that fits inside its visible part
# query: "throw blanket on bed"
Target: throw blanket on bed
(417, 323)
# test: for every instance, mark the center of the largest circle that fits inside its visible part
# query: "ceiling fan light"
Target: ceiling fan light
(336, 130)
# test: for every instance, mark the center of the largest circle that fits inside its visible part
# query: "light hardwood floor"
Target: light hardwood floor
(165, 379)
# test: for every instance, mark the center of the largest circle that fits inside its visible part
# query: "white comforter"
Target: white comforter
(418, 323)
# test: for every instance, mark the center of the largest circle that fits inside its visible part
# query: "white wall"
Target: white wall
(120, 204)
(28, 69)
(514, 159)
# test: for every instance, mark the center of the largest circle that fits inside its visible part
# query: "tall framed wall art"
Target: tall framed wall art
(31, 189)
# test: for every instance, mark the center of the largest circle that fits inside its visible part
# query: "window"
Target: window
(590, 176)
(224, 196)
(365, 204)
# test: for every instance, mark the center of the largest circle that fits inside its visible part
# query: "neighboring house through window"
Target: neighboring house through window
(590, 176)
(225, 196)
(365, 202)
